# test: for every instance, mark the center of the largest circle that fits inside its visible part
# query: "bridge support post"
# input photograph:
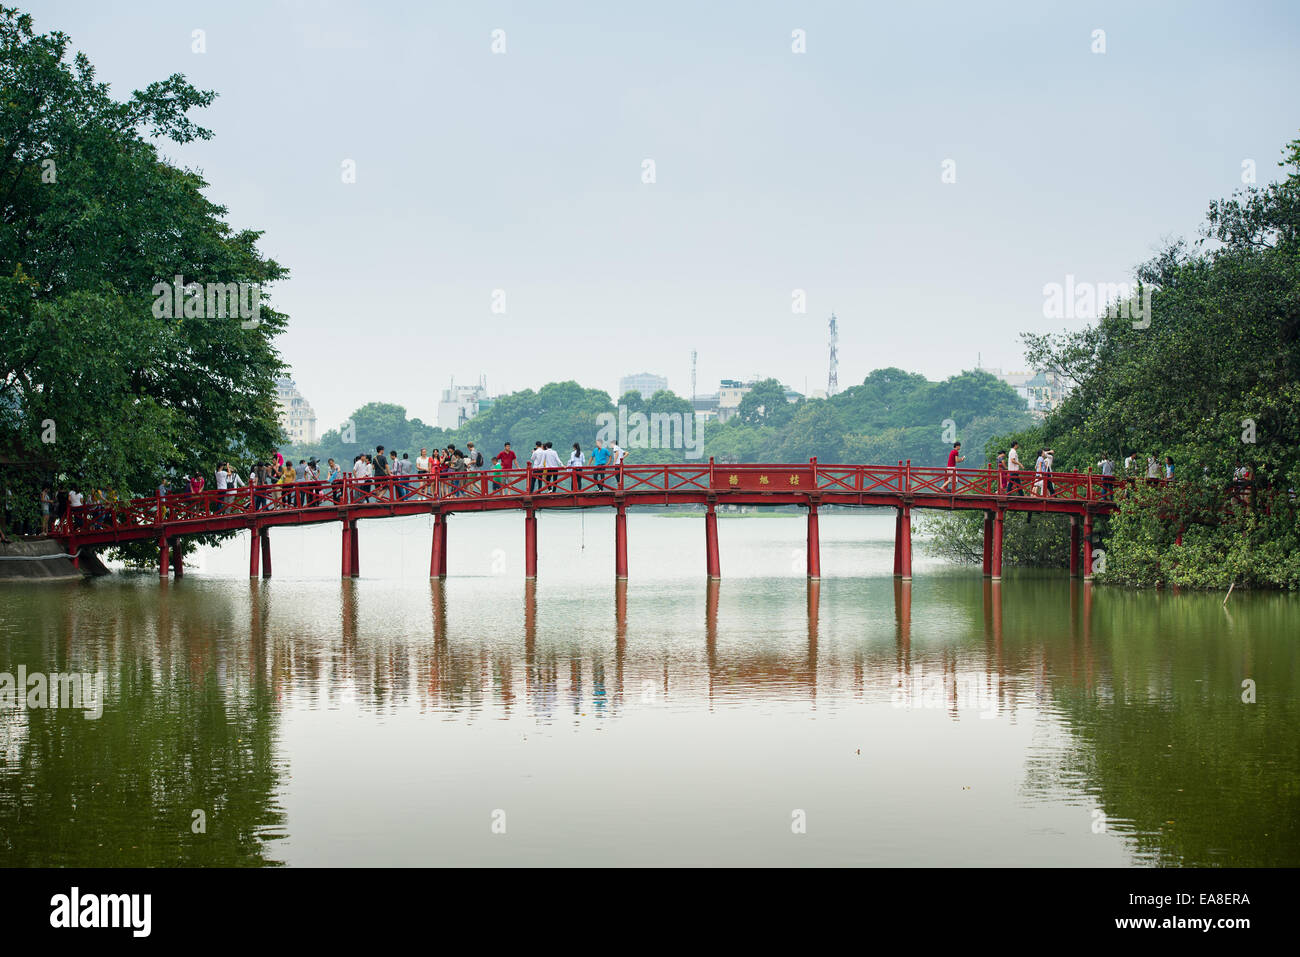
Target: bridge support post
(346, 571)
(266, 552)
(530, 545)
(354, 551)
(905, 540)
(999, 521)
(898, 542)
(163, 559)
(620, 541)
(178, 559)
(254, 552)
(814, 545)
(988, 544)
(438, 547)
(712, 563)
(1087, 548)
(1074, 546)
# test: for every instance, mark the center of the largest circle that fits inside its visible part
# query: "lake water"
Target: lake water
(392, 720)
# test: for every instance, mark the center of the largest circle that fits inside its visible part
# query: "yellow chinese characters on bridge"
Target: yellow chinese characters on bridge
(762, 480)
(794, 480)
(733, 480)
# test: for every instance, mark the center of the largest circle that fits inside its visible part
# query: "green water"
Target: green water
(392, 720)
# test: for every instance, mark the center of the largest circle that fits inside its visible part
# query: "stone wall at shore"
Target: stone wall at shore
(42, 561)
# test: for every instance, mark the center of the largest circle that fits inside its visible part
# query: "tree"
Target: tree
(765, 404)
(1212, 378)
(91, 221)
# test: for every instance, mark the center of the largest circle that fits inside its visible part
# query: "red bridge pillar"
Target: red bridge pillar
(354, 551)
(530, 544)
(814, 545)
(620, 540)
(346, 571)
(904, 543)
(436, 569)
(988, 544)
(254, 565)
(1074, 546)
(898, 541)
(266, 552)
(999, 519)
(163, 560)
(712, 564)
(1087, 548)
(178, 559)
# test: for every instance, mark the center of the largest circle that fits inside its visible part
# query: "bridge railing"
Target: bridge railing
(443, 487)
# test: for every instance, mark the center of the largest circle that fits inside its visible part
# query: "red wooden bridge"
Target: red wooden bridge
(903, 487)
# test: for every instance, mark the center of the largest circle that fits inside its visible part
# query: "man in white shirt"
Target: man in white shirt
(536, 460)
(551, 462)
(1013, 466)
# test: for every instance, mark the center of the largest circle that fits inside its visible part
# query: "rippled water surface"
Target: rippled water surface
(762, 719)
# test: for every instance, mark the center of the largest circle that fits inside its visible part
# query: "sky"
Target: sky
(922, 170)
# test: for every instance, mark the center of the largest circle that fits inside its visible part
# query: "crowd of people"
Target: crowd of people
(1015, 479)
(277, 482)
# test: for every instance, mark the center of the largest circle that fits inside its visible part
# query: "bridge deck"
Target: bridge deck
(803, 484)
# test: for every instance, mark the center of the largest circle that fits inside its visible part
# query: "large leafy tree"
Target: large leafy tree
(1213, 380)
(91, 220)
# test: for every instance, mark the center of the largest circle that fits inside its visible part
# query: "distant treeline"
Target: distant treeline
(892, 415)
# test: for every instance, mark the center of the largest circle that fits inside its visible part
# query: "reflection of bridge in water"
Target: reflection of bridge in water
(730, 668)
(810, 486)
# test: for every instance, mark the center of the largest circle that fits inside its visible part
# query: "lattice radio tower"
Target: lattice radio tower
(833, 379)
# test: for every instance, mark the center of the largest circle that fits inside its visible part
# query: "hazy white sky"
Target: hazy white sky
(522, 171)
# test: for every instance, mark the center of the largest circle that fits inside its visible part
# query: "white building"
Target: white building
(460, 403)
(646, 383)
(297, 418)
(1042, 391)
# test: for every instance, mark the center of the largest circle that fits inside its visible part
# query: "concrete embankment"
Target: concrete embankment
(45, 560)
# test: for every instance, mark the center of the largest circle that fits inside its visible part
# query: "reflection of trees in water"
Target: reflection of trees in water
(198, 674)
(189, 722)
(1195, 776)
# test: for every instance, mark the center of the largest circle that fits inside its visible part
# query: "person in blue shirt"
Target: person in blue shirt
(599, 459)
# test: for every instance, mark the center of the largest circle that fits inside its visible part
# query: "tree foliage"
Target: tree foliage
(1212, 380)
(91, 218)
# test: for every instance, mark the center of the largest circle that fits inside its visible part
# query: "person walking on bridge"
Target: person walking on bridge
(1013, 470)
(551, 460)
(576, 462)
(954, 456)
(1107, 468)
(599, 457)
(536, 460)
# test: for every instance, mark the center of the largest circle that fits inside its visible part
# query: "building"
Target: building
(297, 418)
(730, 392)
(706, 407)
(460, 403)
(644, 383)
(1042, 391)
